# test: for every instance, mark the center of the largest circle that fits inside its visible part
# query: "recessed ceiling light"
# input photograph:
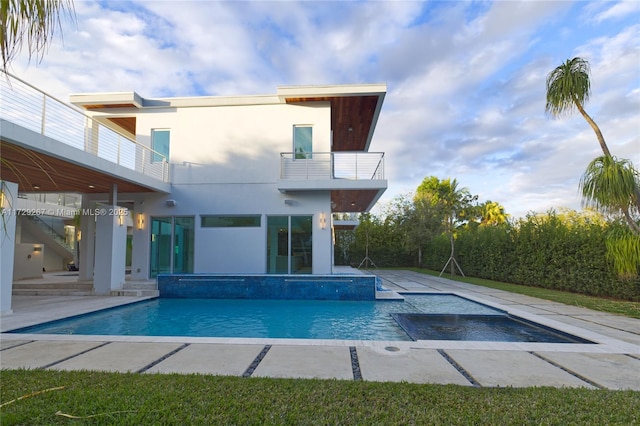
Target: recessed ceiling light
(36, 186)
(91, 186)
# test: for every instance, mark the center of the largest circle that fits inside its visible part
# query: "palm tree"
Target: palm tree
(568, 88)
(454, 203)
(608, 184)
(29, 21)
(492, 214)
(611, 186)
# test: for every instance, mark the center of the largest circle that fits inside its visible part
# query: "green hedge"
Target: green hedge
(544, 251)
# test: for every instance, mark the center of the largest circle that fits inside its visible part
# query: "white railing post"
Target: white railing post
(118, 139)
(44, 114)
(332, 174)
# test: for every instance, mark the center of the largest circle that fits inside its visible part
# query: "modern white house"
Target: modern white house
(242, 184)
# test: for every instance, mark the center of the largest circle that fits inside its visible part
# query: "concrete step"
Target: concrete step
(51, 292)
(135, 293)
(140, 285)
(73, 285)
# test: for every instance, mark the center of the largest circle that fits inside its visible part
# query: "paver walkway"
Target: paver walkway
(612, 363)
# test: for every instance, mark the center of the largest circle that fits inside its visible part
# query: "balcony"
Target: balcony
(355, 179)
(70, 149)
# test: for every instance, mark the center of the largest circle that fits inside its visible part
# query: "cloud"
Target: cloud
(466, 80)
(617, 10)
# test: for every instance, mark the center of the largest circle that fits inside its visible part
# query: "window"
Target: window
(237, 221)
(160, 144)
(302, 142)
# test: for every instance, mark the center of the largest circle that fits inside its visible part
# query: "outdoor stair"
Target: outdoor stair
(138, 289)
(73, 288)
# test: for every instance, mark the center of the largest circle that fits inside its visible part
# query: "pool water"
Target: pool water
(302, 319)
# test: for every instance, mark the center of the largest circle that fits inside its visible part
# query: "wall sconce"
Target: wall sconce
(120, 220)
(37, 249)
(140, 221)
(323, 220)
(79, 236)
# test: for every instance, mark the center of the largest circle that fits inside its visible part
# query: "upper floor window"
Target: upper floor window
(160, 144)
(302, 142)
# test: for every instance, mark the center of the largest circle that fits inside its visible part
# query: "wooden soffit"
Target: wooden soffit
(37, 172)
(352, 118)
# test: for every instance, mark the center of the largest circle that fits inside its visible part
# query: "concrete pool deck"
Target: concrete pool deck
(612, 363)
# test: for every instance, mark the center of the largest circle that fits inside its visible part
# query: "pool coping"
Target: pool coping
(602, 343)
(612, 363)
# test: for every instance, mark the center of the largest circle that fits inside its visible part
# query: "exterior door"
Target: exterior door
(289, 245)
(172, 245)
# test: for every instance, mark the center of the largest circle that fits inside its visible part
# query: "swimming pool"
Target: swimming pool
(302, 319)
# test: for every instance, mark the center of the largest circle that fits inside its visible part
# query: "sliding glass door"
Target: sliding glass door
(172, 245)
(289, 245)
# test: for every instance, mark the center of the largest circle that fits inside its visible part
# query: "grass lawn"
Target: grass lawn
(43, 397)
(60, 397)
(621, 307)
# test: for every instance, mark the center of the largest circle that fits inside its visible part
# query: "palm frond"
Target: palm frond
(610, 185)
(623, 251)
(567, 85)
(30, 22)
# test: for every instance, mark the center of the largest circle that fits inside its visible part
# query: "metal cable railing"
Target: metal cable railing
(354, 165)
(29, 107)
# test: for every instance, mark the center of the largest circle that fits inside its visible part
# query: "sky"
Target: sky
(465, 79)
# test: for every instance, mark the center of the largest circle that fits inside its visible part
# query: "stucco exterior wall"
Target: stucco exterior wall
(225, 160)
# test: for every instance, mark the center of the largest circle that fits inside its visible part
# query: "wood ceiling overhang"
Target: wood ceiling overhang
(122, 101)
(354, 201)
(37, 172)
(352, 119)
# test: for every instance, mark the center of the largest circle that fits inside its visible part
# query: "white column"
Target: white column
(140, 243)
(8, 198)
(87, 240)
(111, 242)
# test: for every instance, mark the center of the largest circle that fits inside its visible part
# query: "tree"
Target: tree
(456, 205)
(492, 214)
(568, 88)
(417, 220)
(32, 22)
(610, 185)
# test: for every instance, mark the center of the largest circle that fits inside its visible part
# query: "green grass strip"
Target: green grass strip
(114, 398)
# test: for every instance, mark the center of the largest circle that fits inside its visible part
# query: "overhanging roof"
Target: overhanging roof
(41, 164)
(355, 108)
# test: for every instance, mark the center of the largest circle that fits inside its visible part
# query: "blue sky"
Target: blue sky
(466, 79)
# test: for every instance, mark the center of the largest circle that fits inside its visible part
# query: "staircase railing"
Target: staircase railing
(60, 239)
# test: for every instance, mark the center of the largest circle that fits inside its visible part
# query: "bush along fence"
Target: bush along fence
(560, 251)
(542, 251)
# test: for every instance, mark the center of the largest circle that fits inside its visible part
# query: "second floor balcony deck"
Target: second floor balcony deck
(349, 175)
(359, 166)
(60, 144)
